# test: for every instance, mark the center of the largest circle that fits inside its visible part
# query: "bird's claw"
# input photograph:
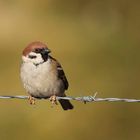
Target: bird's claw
(31, 100)
(53, 100)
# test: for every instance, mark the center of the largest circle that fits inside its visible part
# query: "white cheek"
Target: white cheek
(36, 60)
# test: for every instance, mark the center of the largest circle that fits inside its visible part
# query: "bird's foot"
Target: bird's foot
(53, 100)
(31, 100)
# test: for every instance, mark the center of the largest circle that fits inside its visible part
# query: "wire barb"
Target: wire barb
(84, 99)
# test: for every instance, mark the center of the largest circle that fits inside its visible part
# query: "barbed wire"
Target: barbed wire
(82, 98)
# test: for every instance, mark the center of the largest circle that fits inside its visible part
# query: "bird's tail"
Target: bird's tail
(66, 105)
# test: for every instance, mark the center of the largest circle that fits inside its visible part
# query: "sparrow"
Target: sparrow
(42, 75)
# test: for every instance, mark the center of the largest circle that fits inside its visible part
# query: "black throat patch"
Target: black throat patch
(43, 52)
(45, 56)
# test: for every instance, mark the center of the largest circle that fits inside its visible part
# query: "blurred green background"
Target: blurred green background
(97, 43)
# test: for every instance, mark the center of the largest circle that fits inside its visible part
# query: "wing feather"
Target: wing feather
(61, 73)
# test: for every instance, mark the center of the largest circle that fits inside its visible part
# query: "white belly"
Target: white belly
(41, 81)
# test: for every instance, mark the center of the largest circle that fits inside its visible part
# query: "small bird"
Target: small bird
(42, 75)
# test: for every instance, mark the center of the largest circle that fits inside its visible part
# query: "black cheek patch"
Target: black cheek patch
(32, 56)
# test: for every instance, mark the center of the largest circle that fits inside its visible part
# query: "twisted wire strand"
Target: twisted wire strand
(82, 98)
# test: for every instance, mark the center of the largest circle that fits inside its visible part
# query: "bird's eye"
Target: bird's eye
(38, 50)
(32, 56)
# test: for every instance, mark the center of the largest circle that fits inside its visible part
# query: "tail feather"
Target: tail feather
(66, 105)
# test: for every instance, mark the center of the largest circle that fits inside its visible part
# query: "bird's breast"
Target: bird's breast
(41, 80)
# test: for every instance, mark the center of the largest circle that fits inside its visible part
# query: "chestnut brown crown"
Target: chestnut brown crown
(34, 45)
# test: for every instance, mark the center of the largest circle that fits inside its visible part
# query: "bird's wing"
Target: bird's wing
(61, 73)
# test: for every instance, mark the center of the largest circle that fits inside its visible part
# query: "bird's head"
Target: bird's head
(36, 53)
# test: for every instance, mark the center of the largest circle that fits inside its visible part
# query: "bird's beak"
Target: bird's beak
(45, 53)
(46, 50)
